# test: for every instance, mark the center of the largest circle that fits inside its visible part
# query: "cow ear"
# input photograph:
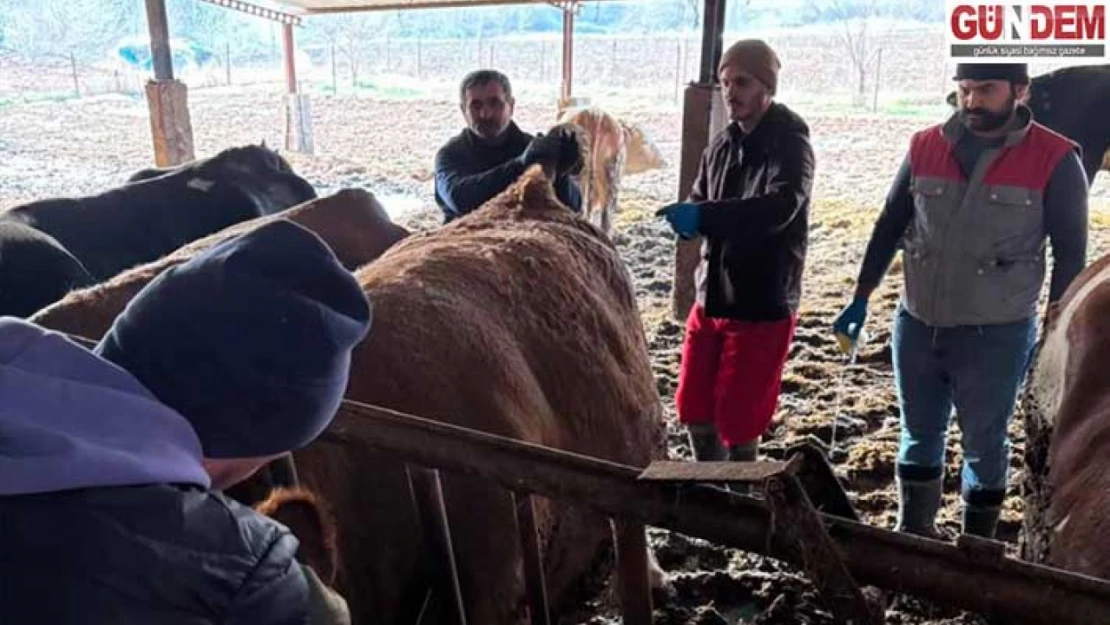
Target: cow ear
(263, 144)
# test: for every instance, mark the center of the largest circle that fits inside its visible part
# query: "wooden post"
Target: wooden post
(878, 70)
(613, 58)
(73, 68)
(334, 81)
(677, 67)
(170, 127)
(633, 587)
(702, 117)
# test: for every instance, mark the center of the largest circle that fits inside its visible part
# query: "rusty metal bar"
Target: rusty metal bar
(799, 532)
(568, 52)
(1008, 589)
(710, 471)
(159, 39)
(427, 495)
(258, 11)
(290, 58)
(633, 586)
(712, 46)
(535, 586)
(819, 480)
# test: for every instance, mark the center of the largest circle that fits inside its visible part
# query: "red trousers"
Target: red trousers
(731, 374)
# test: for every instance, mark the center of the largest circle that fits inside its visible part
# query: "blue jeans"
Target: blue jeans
(977, 369)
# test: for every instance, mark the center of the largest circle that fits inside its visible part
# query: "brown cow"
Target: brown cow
(519, 319)
(311, 521)
(1070, 387)
(351, 222)
(614, 149)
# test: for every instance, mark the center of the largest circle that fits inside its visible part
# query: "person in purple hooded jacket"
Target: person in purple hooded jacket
(111, 460)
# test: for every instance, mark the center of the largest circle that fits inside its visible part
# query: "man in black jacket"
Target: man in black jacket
(111, 459)
(492, 151)
(750, 201)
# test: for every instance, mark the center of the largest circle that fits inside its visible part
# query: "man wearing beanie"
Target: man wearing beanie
(971, 207)
(108, 458)
(750, 202)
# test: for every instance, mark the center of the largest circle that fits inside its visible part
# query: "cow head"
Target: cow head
(311, 522)
(641, 153)
(263, 171)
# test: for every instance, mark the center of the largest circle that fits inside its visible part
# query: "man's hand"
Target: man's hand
(570, 152)
(849, 323)
(545, 150)
(684, 218)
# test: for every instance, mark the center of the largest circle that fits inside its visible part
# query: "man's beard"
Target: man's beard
(988, 120)
(489, 131)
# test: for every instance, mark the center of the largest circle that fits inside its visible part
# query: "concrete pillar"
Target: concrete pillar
(703, 116)
(170, 126)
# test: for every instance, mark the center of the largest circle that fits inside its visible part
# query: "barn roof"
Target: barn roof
(317, 7)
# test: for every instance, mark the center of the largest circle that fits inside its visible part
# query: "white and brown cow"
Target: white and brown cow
(614, 148)
(1071, 391)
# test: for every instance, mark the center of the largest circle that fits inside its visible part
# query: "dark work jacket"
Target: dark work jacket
(166, 554)
(470, 172)
(106, 517)
(754, 190)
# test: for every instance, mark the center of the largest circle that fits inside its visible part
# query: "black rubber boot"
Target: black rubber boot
(980, 520)
(705, 442)
(918, 503)
(745, 452)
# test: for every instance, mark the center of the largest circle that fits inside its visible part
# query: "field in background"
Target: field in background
(910, 70)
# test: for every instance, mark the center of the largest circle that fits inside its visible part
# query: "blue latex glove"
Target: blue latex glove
(684, 217)
(849, 323)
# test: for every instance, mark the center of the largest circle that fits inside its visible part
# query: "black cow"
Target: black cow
(145, 220)
(265, 156)
(35, 270)
(1072, 101)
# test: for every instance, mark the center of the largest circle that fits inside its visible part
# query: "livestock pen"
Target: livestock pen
(973, 574)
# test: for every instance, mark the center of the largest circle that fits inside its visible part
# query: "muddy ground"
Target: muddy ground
(51, 149)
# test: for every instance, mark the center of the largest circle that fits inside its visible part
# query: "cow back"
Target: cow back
(1072, 101)
(352, 222)
(35, 269)
(518, 320)
(140, 222)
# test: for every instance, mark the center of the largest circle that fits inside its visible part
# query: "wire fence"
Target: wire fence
(906, 61)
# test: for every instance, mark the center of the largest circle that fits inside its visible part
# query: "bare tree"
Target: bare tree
(856, 24)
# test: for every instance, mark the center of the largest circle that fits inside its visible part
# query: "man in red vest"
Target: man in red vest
(971, 208)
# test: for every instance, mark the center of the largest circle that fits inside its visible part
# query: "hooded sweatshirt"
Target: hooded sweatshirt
(69, 419)
(105, 512)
